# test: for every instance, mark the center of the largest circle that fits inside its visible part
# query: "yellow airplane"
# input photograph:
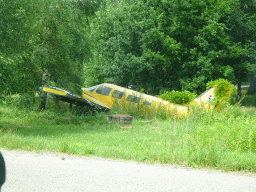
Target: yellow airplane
(105, 96)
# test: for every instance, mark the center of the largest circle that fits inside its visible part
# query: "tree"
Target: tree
(44, 42)
(166, 45)
(242, 32)
(17, 75)
(60, 47)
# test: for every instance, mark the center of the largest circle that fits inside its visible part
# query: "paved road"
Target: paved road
(30, 171)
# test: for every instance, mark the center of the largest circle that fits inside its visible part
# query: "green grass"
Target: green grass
(223, 140)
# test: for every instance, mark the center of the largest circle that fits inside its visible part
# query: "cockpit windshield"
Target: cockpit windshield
(103, 90)
(93, 88)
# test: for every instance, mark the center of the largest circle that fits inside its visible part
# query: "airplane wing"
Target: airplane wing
(66, 96)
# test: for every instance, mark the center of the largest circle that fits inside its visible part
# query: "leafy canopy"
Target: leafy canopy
(168, 45)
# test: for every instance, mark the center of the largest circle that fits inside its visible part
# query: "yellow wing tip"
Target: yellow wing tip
(50, 90)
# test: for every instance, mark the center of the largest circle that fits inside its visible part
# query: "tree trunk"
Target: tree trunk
(252, 87)
(239, 92)
(43, 96)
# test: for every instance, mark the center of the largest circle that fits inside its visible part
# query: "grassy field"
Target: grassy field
(221, 140)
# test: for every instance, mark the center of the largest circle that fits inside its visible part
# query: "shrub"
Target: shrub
(26, 101)
(224, 93)
(178, 97)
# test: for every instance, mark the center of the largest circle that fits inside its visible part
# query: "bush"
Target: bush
(224, 93)
(178, 97)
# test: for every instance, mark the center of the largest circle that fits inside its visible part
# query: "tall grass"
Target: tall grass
(222, 140)
(226, 140)
(139, 110)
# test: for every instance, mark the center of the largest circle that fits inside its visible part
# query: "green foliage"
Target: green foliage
(15, 77)
(89, 7)
(41, 35)
(249, 101)
(26, 101)
(24, 106)
(224, 92)
(170, 44)
(233, 96)
(18, 73)
(220, 140)
(142, 111)
(242, 32)
(233, 130)
(60, 45)
(179, 97)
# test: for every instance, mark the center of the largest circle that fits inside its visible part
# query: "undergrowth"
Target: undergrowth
(217, 139)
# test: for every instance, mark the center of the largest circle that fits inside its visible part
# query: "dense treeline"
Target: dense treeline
(156, 45)
(41, 38)
(175, 45)
(43, 42)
